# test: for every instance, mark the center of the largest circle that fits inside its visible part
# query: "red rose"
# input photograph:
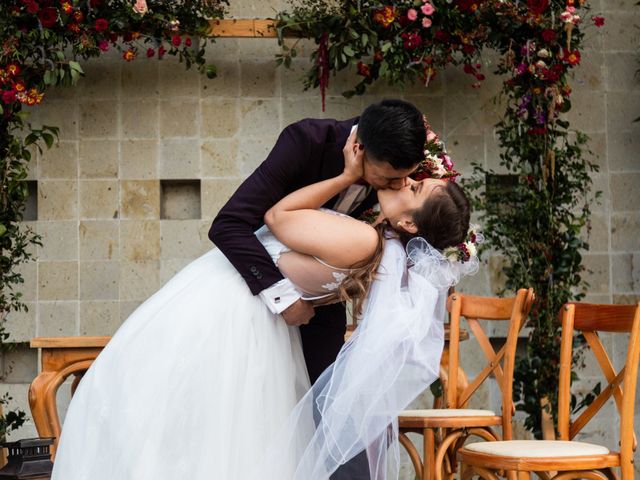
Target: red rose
(363, 69)
(411, 40)
(9, 96)
(150, 52)
(442, 36)
(102, 24)
(468, 69)
(480, 77)
(161, 51)
(176, 40)
(598, 21)
(32, 6)
(48, 17)
(378, 57)
(549, 35)
(187, 42)
(468, 49)
(537, 7)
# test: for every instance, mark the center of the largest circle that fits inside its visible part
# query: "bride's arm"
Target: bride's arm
(337, 240)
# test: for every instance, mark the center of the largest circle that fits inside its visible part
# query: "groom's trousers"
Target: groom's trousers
(322, 339)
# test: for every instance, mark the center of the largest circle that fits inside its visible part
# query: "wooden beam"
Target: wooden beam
(242, 28)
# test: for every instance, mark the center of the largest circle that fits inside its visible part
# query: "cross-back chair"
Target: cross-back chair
(566, 459)
(444, 430)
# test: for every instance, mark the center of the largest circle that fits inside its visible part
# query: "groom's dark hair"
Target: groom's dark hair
(393, 131)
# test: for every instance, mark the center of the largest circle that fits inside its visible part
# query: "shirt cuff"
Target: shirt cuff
(279, 296)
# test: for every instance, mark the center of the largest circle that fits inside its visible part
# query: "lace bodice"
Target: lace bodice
(316, 279)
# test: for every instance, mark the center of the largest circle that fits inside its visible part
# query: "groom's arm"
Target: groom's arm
(233, 229)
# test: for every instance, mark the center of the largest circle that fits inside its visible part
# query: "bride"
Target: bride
(202, 378)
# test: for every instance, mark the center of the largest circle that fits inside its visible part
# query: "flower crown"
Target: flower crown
(437, 163)
(466, 250)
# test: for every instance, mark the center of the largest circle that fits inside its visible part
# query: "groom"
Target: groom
(392, 134)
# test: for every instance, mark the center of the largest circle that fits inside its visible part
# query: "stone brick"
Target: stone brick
(99, 240)
(169, 268)
(19, 364)
(619, 33)
(622, 110)
(259, 117)
(175, 81)
(600, 184)
(102, 79)
(140, 199)
(463, 115)
(57, 200)
(227, 83)
(139, 240)
(258, 47)
(597, 274)
(99, 280)
(219, 117)
(59, 162)
(99, 318)
(127, 307)
(179, 159)
(140, 78)
(29, 273)
(620, 72)
(21, 325)
(465, 149)
(219, 158)
(61, 114)
(295, 109)
(253, 152)
(98, 199)
(139, 159)
(258, 77)
(626, 298)
(57, 280)
(215, 193)
(591, 73)
(623, 267)
(337, 107)
(291, 82)
(625, 190)
(598, 237)
(140, 118)
(622, 151)
(139, 280)
(624, 232)
(183, 239)
(57, 319)
(587, 111)
(178, 118)
(59, 240)
(264, 9)
(98, 159)
(98, 119)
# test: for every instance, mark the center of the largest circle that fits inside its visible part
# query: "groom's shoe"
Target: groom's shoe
(355, 469)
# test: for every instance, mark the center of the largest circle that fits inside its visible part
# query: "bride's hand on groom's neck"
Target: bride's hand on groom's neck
(353, 159)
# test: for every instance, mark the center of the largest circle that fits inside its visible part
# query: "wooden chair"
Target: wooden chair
(572, 459)
(444, 430)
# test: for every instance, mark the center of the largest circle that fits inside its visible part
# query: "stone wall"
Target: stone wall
(148, 153)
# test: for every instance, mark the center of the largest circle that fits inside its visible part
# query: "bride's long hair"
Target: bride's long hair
(443, 220)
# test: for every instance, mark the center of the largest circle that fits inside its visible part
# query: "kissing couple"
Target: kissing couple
(237, 367)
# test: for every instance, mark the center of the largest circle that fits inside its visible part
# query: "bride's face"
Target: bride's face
(397, 205)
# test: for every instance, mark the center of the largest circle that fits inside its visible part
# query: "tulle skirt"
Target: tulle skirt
(192, 386)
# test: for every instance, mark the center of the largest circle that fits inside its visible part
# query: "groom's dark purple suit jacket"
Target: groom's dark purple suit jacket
(306, 152)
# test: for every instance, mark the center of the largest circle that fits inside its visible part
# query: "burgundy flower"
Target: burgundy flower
(468, 49)
(442, 36)
(363, 69)
(32, 6)
(101, 25)
(161, 51)
(537, 7)
(48, 17)
(187, 42)
(549, 35)
(9, 96)
(469, 69)
(598, 21)
(103, 45)
(411, 40)
(150, 52)
(176, 40)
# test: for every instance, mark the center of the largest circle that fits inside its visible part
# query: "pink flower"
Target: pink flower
(141, 7)
(427, 9)
(431, 136)
(426, 22)
(103, 45)
(412, 14)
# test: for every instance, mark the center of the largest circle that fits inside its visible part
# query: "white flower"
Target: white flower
(543, 53)
(471, 248)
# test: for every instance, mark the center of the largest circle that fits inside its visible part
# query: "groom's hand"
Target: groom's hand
(298, 313)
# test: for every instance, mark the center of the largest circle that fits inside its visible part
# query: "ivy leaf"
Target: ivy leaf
(3, 229)
(348, 51)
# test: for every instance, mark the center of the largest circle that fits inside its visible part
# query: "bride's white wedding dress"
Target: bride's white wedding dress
(195, 382)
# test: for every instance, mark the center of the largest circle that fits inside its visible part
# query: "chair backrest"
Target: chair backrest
(499, 364)
(589, 319)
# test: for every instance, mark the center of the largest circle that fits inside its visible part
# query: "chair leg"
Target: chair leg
(428, 470)
(412, 452)
(524, 476)
(443, 448)
(483, 473)
(586, 475)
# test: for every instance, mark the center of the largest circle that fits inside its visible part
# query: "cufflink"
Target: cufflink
(276, 300)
